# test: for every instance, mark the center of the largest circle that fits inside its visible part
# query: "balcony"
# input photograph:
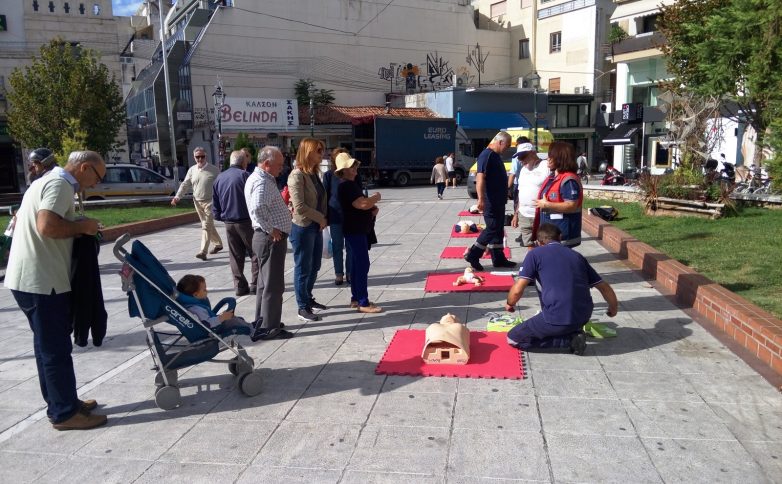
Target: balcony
(646, 41)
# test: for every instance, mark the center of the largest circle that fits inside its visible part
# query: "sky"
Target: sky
(125, 7)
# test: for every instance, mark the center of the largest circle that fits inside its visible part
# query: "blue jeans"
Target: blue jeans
(337, 248)
(359, 267)
(307, 245)
(50, 319)
(440, 188)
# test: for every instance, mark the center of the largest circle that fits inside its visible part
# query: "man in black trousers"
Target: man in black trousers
(491, 182)
(230, 207)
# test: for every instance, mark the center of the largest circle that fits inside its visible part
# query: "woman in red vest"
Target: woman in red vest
(561, 196)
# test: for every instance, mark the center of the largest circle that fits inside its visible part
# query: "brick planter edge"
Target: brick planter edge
(753, 328)
(144, 227)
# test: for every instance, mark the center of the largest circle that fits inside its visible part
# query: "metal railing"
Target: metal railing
(564, 8)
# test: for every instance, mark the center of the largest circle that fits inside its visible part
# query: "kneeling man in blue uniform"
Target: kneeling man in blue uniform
(564, 279)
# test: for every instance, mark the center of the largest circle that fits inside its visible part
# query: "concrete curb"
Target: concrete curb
(144, 227)
(753, 328)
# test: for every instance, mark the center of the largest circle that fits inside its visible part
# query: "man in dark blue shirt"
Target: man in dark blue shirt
(565, 278)
(491, 181)
(230, 207)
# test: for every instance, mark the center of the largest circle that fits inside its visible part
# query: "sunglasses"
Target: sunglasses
(200, 157)
(97, 175)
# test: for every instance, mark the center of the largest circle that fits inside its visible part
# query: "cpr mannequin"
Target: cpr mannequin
(447, 342)
(469, 277)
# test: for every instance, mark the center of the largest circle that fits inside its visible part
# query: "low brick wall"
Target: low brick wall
(757, 330)
(616, 194)
(139, 228)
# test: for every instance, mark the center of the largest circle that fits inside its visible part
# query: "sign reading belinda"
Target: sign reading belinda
(243, 114)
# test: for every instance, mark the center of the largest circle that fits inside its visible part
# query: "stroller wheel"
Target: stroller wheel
(171, 376)
(251, 384)
(168, 398)
(237, 367)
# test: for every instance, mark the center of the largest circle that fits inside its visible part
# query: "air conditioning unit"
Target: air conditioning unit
(604, 115)
(577, 90)
(460, 81)
(523, 83)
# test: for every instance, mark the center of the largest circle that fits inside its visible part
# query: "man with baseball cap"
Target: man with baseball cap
(41, 161)
(530, 177)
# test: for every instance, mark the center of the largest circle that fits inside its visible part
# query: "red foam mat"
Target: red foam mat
(458, 253)
(467, 213)
(443, 282)
(490, 357)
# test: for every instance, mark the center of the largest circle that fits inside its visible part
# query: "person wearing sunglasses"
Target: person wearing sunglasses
(201, 178)
(39, 277)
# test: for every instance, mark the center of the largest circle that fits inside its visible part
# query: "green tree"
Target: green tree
(74, 138)
(321, 97)
(65, 83)
(243, 141)
(731, 49)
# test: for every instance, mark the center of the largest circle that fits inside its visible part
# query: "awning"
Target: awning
(622, 135)
(492, 120)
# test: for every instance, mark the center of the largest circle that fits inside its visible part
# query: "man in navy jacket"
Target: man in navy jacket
(229, 206)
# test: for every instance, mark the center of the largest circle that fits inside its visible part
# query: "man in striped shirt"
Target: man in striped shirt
(271, 221)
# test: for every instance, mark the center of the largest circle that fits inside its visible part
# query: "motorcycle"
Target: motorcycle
(613, 177)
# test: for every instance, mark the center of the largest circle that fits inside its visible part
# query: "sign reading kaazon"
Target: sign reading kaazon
(244, 114)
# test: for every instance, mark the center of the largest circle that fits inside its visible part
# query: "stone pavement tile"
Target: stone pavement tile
(496, 411)
(413, 410)
(417, 450)
(309, 445)
(8, 384)
(489, 480)
(569, 383)
(22, 467)
(751, 422)
(711, 361)
(268, 473)
(493, 385)
(584, 416)
(303, 350)
(743, 389)
(95, 469)
(362, 477)
(220, 442)
(31, 438)
(21, 367)
(676, 420)
(343, 407)
(540, 360)
(420, 384)
(174, 473)
(9, 418)
(136, 438)
(118, 399)
(499, 454)
(652, 386)
(768, 455)
(646, 361)
(141, 373)
(683, 460)
(581, 458)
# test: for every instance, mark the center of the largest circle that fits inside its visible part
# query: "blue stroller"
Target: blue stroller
(152, 296)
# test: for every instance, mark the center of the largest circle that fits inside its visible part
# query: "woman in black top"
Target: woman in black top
(358, 212)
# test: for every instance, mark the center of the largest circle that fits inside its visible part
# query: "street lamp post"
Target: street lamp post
(219, 100)
(534, 80)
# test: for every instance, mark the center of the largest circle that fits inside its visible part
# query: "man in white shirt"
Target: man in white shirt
(39, 277)
(531, 177)
(451, 171)
(201, 178)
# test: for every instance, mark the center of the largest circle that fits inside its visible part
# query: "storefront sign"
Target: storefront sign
(245, 114)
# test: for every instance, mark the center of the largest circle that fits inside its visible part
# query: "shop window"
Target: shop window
(523, 48)
(555, 42)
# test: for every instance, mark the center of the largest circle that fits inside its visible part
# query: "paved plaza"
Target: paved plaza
(665, 401)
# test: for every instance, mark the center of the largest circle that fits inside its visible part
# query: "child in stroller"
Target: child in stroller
(193, 295)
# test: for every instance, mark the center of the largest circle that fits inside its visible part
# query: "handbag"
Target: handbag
(328, 251)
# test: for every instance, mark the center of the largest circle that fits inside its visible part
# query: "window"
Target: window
(117, 175)
(649, 24)
(498, 9)
(569, 115)
(523, 48)
(146, 176)
(555, 44)
(553, 85)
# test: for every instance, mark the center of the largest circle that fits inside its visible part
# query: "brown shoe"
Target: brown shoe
(217, 249)
(371, 309)
(81, 421)
(201, 256)
(353, 304)
(87, 405)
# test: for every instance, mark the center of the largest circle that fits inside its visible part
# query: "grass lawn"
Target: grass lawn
(743, 253)
(111, 216)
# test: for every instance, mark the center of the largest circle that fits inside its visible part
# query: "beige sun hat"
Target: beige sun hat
(344, 160)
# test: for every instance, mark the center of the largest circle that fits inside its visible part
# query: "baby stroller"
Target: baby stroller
(152, 296)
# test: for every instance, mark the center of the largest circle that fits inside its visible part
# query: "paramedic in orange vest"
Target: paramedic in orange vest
(561, 196)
